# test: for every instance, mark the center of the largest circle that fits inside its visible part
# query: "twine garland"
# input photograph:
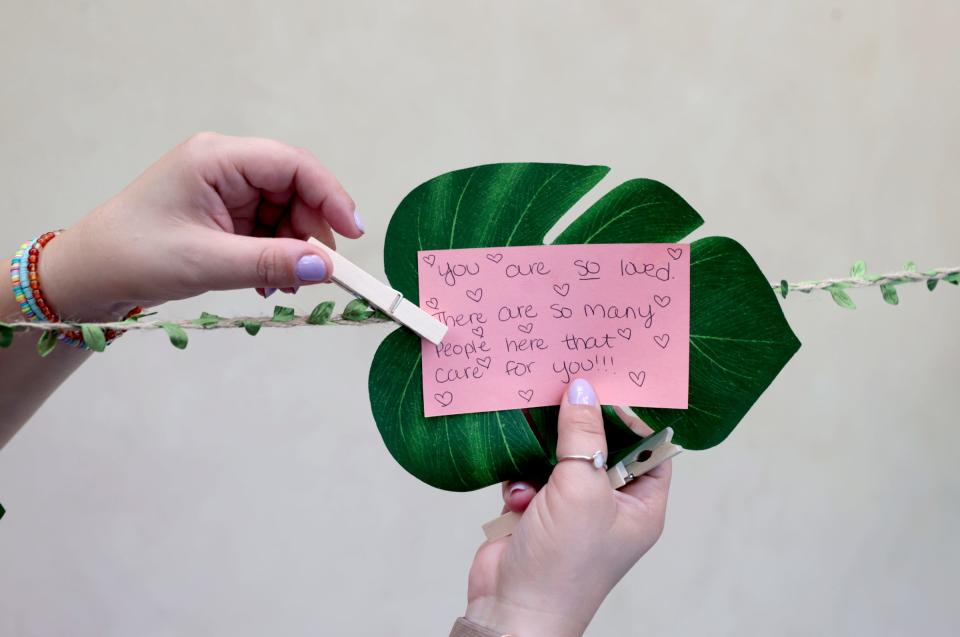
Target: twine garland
(238, 322)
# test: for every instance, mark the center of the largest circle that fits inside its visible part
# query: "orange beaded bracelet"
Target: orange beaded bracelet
(29, 295)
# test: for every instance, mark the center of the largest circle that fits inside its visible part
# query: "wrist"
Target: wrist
(512, 619)
(74, 291)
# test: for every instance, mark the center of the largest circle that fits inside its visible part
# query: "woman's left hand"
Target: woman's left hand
(215, 213)
(576, 539)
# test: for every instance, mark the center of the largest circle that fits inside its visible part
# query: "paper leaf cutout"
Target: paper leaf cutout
(176, 334)
(456, 453)
(283, 314)
(46, 343)
(94, 337)
(739, 342)
(321, 314)
(492, 205)
(6, 336)
(742, 340)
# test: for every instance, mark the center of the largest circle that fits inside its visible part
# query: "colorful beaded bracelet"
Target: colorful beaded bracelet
(29, 296)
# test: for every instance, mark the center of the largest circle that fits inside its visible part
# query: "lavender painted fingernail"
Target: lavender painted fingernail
(581, 393)
(311, 268)
(358, 220)
(268, 291)
(519, 486)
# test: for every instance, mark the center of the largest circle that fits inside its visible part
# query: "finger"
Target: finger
(285, 231)
(580, 430)
(223, 261)
(243, 167)
(653, 486)
(268, 214)
(316, 227)
(265, 292)
(633, 421)
(643, 504)
(518, 495)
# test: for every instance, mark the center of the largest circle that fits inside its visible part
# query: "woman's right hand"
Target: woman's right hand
(577, 537)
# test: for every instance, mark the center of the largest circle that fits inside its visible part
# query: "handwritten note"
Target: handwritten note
(525, 321)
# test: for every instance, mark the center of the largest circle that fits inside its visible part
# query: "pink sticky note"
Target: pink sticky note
(525, 321)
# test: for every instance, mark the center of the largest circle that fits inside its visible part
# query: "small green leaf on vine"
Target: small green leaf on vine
(859, 270)
(206, 320)
(177, 335)
(94, 337)
(841, 298)
(321, 314)
(47, 342)
(283, 314)
(890, 294)
(251, 327)
(953, 277)
(784, 288)
(137, 317)
(910, 266)
(357, 310)
(932, 284)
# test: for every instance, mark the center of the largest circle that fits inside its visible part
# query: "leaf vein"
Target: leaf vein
(403, 395)
(456, 210)
(717, 363)
(505, 444)
(617, 218)
(530, 203)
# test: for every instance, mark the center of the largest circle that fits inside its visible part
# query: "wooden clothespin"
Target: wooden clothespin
(358, 281)
(654, 450)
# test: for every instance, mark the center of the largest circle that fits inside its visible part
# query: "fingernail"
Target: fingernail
(357, 220)
(311, 268)
(581, 393)
(268, 291)
(519, 486)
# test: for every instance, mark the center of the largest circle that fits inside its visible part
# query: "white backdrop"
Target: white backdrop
(240, 487)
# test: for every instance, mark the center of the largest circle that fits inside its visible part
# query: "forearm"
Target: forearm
(27, 379)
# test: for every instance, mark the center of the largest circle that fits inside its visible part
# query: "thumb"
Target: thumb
(580, 429)
(228, 262)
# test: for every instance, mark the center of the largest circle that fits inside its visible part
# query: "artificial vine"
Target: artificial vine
(359, 312)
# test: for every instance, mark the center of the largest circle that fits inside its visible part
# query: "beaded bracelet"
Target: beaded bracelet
(29, 296)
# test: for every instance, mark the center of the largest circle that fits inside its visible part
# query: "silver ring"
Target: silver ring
(598, 460)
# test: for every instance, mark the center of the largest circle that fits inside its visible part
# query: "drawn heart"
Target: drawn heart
(662, 301)
(526, 394)
(625, 332)
(662, 340)
(638, 378)
(444, 399)
(433, 303)
(675, 253)
(526, 328)
(483, 361)
(478, 331)
(430, 259)
(562, 290)
(475, 295)
(495, 257)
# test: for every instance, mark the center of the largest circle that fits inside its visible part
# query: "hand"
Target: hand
(215, 213)
(576, 539)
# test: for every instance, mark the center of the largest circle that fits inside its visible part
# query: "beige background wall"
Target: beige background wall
(240, 487)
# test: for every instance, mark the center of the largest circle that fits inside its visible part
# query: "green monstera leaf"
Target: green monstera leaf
(739, 338)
